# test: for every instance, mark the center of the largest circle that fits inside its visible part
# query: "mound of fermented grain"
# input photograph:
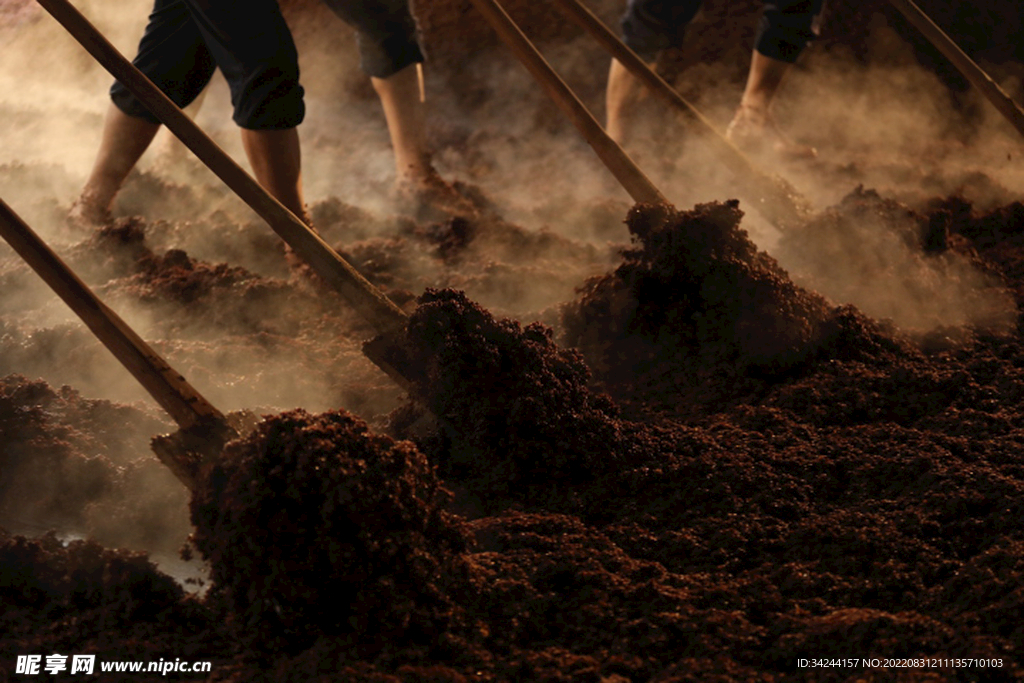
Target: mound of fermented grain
(313, 525)
(111, 251)
(186, 297)
(996, 235)
(893, 262)
(120, 253)
(521, 414)
(84, 465)
(44, 572)
(697, 282)
(695, 302)
(37, 450)
(82, 598)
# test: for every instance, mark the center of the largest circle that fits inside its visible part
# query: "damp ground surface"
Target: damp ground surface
(648, 443)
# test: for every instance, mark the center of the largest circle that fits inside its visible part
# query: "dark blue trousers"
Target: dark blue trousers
(650, 26)
(386, 33)
(187, 40)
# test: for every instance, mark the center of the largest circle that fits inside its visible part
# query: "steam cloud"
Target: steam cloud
(886, 128)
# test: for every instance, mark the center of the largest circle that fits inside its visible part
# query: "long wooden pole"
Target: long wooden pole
(639, 187)
(777, 201)
(369, 301)
(967, 66)
(169, 389)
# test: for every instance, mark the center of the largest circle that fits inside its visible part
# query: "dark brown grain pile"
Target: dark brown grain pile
(83, 466)
(315, 526)
(714, 463)
(696, 310)
(914, 267)
(81, 598)
(866, 501)
(520, 418)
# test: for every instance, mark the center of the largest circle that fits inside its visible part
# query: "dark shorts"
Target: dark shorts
(187, 40)
(786, 26)
(386, 32)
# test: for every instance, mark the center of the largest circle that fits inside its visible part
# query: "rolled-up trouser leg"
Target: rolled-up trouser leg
(186, 40)
(786, 27)
(173, 55)
(386, 32)
(251, 43)
(650, 26)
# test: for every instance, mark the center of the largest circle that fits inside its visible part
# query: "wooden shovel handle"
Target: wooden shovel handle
(369, 301)
(967, 66)
(639, 187)
(184, 404)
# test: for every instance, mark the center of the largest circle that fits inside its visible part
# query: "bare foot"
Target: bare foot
(88, 215)
(755, 132)
(431, 198)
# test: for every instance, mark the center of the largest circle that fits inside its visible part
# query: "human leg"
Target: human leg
(123, 142)
(173, 56)
(418, 185)
(763, 81)
(253, 47)
(648, 26)
(172, 154)
(753, 128)
(622, 94)
(276, 162)
(404, 112)
(786, 28)
(390, 54)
